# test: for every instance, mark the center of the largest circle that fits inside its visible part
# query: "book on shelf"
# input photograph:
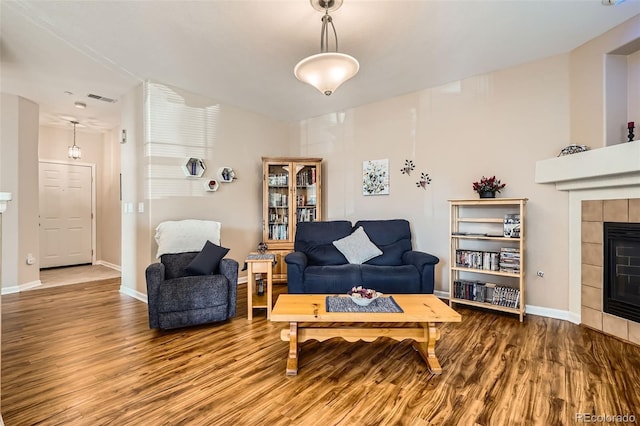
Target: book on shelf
(278, 200)
(489, 293)
(474, 259)
(306, 177)
(307, 214)
(512, 225)
(280, 179)
(278, 232)
(510, 260)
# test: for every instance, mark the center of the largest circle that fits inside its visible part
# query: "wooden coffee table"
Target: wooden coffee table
(424, 309)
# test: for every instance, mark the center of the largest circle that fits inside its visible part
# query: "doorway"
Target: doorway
(67, 219)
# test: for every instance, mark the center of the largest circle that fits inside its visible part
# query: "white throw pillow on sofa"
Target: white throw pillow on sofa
(357, 247)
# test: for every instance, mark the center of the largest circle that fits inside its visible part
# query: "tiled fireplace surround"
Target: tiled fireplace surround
(594, 213)
(603, 185)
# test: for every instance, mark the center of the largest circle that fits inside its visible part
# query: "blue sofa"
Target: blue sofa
(317, 266)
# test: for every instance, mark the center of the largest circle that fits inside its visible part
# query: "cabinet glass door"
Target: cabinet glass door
(306, 192)
(278, 193)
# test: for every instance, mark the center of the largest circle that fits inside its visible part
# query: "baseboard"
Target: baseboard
(22, 287)
(11, 290)
(533, 310)
(133, 293)
(575, 318)
(441, 294)
(550, 313)
(243, 280)
(108, 265)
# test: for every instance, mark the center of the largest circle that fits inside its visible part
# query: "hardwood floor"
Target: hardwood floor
(83, 355)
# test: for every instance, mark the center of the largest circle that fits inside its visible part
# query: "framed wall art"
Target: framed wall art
(375, 177)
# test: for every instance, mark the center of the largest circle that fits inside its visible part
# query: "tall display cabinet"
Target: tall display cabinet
(292, 193)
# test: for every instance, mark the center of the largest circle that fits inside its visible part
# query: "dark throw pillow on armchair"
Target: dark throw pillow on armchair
(207, 261)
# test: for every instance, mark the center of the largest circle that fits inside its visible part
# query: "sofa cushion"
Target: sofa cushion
(335, 279)
(322, 254)
(175, 264)
(315, 240)
(398, 279)
(393, 237)
(207, 261)
(357, 247)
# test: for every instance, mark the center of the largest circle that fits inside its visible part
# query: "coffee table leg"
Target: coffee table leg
(427, 349)
(292, 361)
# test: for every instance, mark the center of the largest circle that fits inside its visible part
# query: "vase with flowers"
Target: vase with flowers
(487, 187)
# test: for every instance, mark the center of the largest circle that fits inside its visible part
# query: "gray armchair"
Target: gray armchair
(177, 300)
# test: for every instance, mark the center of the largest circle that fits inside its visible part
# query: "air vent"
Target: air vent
(102, 98)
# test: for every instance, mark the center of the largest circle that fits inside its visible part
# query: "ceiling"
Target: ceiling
(242, 52)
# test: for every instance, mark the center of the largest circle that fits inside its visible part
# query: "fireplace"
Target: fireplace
(621, 278)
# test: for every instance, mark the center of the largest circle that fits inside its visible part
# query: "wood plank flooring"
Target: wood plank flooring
(83, 355)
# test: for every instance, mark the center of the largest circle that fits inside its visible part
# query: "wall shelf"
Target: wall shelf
(226, 174)
(193, 167)
(212, 185)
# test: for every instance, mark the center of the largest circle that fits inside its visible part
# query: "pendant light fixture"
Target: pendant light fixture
(326, 71)
(74, 151)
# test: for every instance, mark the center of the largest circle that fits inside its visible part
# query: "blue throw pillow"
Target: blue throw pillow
(207, 261)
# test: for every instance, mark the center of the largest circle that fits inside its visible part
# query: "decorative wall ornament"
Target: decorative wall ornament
(375, 177)
(424, 181)
(573, 149)
(408, 167)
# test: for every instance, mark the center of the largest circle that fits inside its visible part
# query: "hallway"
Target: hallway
(54, 277)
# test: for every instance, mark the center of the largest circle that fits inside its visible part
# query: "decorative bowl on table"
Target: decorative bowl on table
(363, 296)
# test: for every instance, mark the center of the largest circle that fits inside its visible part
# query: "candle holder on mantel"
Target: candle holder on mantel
(630, 127)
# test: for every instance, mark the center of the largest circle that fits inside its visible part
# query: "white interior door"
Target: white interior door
(65, 214)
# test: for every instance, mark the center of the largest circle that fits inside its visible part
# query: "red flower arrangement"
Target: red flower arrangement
(491, 184)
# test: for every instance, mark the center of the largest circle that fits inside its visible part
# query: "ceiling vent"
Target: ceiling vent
(102, 98)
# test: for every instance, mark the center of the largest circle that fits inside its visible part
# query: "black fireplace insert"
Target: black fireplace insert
(621, 295)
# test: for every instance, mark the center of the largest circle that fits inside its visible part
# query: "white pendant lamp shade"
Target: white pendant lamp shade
(326, 71)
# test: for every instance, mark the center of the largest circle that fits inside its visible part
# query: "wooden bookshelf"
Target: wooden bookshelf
(487, 267)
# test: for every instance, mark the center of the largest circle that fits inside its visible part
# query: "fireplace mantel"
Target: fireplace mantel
(608, 167)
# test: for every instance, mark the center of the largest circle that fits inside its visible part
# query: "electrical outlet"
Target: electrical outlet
(30, 259)
(540, 274)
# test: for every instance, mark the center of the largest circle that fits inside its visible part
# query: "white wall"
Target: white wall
(494, 124)
(587, 76)
(19, 175)
(108, 203)
(178, 125)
